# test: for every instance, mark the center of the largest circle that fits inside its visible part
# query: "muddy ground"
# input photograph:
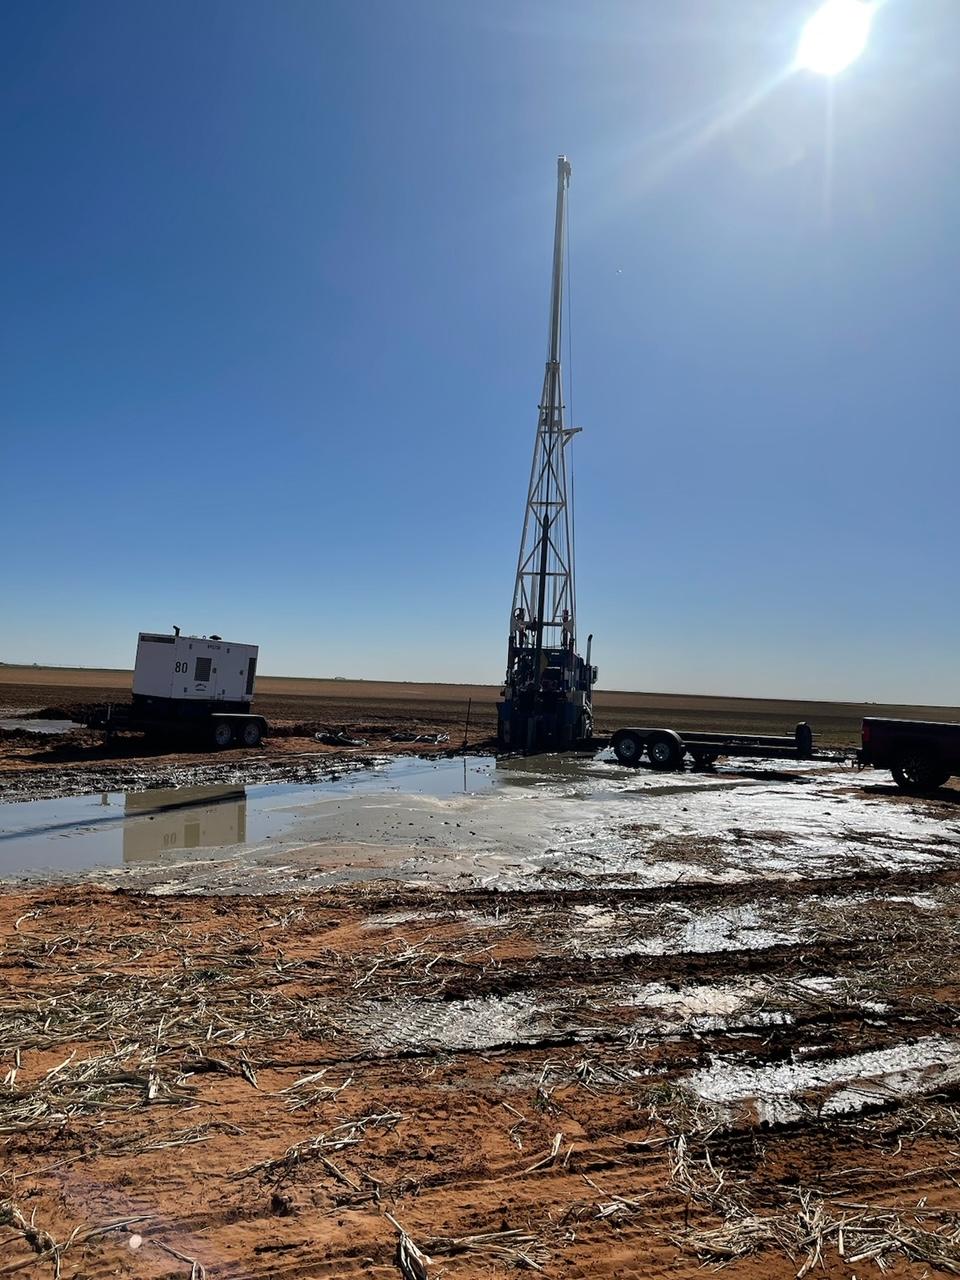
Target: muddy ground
(563, 1017)
(267, 1086)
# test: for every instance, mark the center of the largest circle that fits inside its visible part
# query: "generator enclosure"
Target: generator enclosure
(218, 674)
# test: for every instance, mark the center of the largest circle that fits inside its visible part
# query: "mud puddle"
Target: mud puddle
(115, 829)
(39, 726)
(549, 822)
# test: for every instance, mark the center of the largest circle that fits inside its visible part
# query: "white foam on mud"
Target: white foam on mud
(730, 929)
(824, 826)
(924, 901)
(733, 928)
(727, 1006)
(838, 1085)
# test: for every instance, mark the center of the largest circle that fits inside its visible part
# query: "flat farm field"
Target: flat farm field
(363, 706)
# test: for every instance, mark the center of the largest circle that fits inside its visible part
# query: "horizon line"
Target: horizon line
(647, 693)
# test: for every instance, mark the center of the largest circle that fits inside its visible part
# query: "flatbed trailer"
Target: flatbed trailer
(667, 749)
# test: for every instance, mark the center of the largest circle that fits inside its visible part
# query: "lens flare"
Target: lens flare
(835, 36)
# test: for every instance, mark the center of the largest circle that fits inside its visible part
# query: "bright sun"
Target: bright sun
(835, 36)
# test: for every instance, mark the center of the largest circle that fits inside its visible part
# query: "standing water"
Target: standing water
(122, 828)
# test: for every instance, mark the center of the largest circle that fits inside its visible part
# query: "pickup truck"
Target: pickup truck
(921, 754)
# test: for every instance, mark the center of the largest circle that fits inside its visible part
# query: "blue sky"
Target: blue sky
(275, 285)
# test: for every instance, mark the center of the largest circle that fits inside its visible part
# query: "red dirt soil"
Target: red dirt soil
(204, 1072)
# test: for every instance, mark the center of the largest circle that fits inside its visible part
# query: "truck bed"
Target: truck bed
(921, 754)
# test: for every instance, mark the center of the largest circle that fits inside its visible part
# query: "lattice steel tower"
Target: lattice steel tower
(545, 583)
(547, 687)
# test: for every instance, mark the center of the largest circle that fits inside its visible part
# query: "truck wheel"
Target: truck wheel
(628, 748)
(222, 734)
(918, 771)
(665, 750)
(251, 734)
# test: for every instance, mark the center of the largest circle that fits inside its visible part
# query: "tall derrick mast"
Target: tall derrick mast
(547, 690)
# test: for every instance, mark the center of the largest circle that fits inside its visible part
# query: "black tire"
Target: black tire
(919, 771)
(251, 733)
(665, 751)
(222, 734)
(628, 748)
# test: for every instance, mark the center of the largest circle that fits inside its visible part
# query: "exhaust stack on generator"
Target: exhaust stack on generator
(547, 691)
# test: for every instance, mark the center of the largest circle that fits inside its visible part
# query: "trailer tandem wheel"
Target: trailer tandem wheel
(222, 734)
(665, 750)
(628, 748)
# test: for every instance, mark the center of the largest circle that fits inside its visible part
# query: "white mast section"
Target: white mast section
(545, 584)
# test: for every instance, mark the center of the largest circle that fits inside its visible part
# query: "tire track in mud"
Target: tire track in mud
(792, 888)
(551, 971)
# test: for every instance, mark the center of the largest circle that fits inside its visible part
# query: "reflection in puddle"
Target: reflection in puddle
(112, 829)
(116, 828)
(195, 819)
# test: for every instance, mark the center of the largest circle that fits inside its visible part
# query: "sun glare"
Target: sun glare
(835, 36)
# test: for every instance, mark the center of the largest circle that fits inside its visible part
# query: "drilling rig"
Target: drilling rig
(547, 695)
